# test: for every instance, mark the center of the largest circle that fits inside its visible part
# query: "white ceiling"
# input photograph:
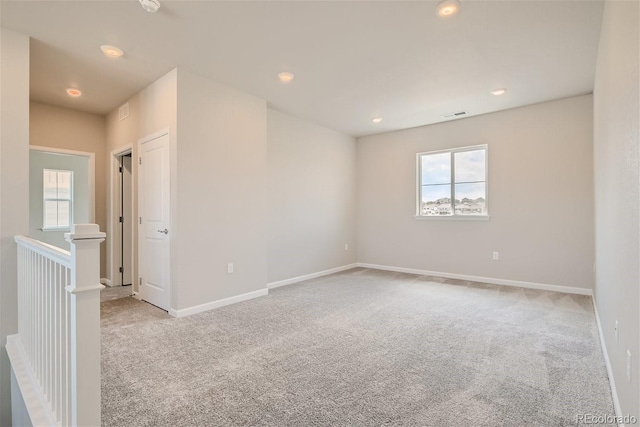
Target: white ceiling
(353, 60)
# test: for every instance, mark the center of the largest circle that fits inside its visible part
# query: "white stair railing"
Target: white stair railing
(55, 356)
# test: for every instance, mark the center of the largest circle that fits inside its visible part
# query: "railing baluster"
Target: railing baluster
(28, 310)
(43, 322)
(34, 310)
(21, 325)
(56, 345)
(59, 359)
(50, 346)
(40, 320)
(64, 414)
(47, 349)
(67, 343)
(29, 326)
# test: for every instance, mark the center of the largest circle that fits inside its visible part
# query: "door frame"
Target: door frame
(113, 239)
(138, 235)
(92, 172)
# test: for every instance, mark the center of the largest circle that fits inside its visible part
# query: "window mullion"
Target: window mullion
(419, 186)
(453, 185)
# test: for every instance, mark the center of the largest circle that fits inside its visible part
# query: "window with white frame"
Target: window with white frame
(453, 183)
(57, 186)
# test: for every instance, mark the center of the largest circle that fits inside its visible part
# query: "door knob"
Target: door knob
(165, 231)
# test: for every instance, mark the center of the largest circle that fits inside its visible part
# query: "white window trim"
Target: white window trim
(70, 200)
(454, 216)
(92, 173)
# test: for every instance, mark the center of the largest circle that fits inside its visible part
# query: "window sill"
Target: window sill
(452, 217)
(67, 229)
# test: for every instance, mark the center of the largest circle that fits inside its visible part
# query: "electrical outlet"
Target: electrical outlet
(230, 268)
(346, 246)
(628, 366)
(496, 256)
(616, 330)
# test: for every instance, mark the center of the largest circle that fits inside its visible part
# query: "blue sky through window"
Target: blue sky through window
(470, 191)
(431, 193)
(436, 169)
(470, 166)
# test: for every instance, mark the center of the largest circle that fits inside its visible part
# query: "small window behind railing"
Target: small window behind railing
(57, 190)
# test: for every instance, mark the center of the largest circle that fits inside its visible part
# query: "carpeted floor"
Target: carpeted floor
(116, 292)
(358, 348)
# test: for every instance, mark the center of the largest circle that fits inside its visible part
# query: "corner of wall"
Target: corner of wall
(617, 197)
(14, 192)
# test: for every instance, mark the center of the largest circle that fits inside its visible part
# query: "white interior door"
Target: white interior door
(153, 229)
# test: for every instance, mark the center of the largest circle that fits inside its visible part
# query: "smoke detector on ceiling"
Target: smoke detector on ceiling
(150, 6)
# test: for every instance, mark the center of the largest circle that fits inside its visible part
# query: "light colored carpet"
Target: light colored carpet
(110, 293)
(358, 348)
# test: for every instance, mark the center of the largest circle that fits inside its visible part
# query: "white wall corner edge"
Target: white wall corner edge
(217, 303)
(607, 362)
(310, 276)
(493, 281)
(105, 281)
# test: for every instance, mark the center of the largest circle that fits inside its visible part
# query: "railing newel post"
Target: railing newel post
(84, 290)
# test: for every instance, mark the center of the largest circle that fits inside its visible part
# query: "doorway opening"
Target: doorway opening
(126, 220)
(122, 249)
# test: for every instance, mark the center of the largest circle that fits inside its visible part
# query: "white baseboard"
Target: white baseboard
(137, 296)
(105, 281)
(612, 382)
(217, 304)
(504, 282)
(310, 276)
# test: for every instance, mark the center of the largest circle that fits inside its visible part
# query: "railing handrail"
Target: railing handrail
(52, 252)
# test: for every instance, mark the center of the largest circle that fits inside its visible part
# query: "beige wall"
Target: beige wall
(312, 197)
(617, 202)
(218, 166)
(540, 197)
(14, 189)
(151, 110)
(58, 127)
(222, 200)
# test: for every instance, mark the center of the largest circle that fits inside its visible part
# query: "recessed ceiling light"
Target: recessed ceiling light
(150, 6)
(285, 77)
(498, 92)
(111, 51)
(448, 8)
(74, 92)
(376, 119)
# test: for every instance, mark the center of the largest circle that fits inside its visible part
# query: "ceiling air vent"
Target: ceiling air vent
(455, 115)
(123, 112)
